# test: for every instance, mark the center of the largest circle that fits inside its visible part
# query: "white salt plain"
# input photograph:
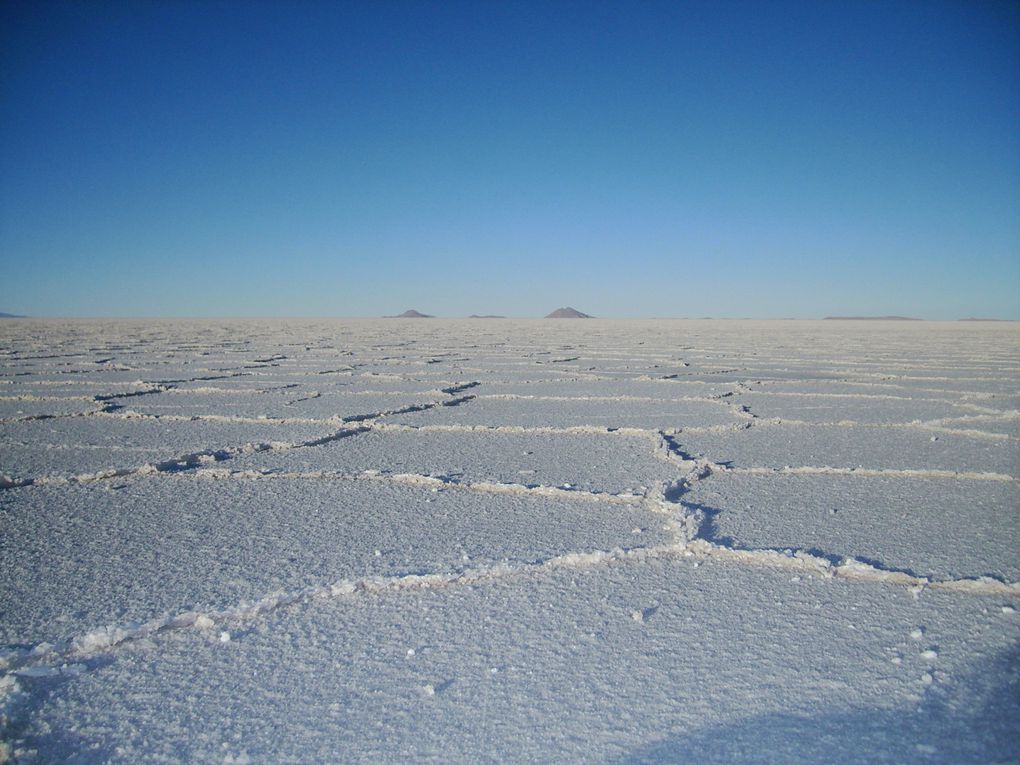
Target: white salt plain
(509, 541)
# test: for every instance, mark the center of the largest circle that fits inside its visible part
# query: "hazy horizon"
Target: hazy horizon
(497, 317)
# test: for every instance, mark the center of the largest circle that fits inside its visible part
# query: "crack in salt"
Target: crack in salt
(687, 523)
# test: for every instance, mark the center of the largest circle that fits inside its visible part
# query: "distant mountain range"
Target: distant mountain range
(10, 316)
(568, 313)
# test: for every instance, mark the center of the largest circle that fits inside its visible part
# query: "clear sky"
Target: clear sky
(765, 159)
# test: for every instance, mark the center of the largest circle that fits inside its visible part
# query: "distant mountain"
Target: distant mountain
(10, 316)
(412, 314)
(568, 313)
(485, 316)
(870, 318)
(969, 319)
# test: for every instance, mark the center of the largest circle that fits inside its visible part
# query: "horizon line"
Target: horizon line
(490, 317)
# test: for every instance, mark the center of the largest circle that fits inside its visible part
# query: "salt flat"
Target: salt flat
(509, 541)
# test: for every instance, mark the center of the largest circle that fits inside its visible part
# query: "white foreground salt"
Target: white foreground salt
(509, 541)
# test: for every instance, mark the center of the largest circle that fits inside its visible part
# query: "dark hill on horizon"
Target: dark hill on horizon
(568, 313)
(412, 314)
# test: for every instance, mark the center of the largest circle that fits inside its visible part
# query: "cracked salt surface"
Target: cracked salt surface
(24, 407)
(509, 541)
(906, 447)
(933, 527)
(653, 387)
(837, 408)
(590, 461)
(719, 672)
(1008, 425)
(281, 403)
(75, 446)
(606, 413)
(136, 551)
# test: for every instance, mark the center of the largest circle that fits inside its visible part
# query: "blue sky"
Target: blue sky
(763, 159)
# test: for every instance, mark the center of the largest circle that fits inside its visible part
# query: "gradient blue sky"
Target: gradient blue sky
(763, 159)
